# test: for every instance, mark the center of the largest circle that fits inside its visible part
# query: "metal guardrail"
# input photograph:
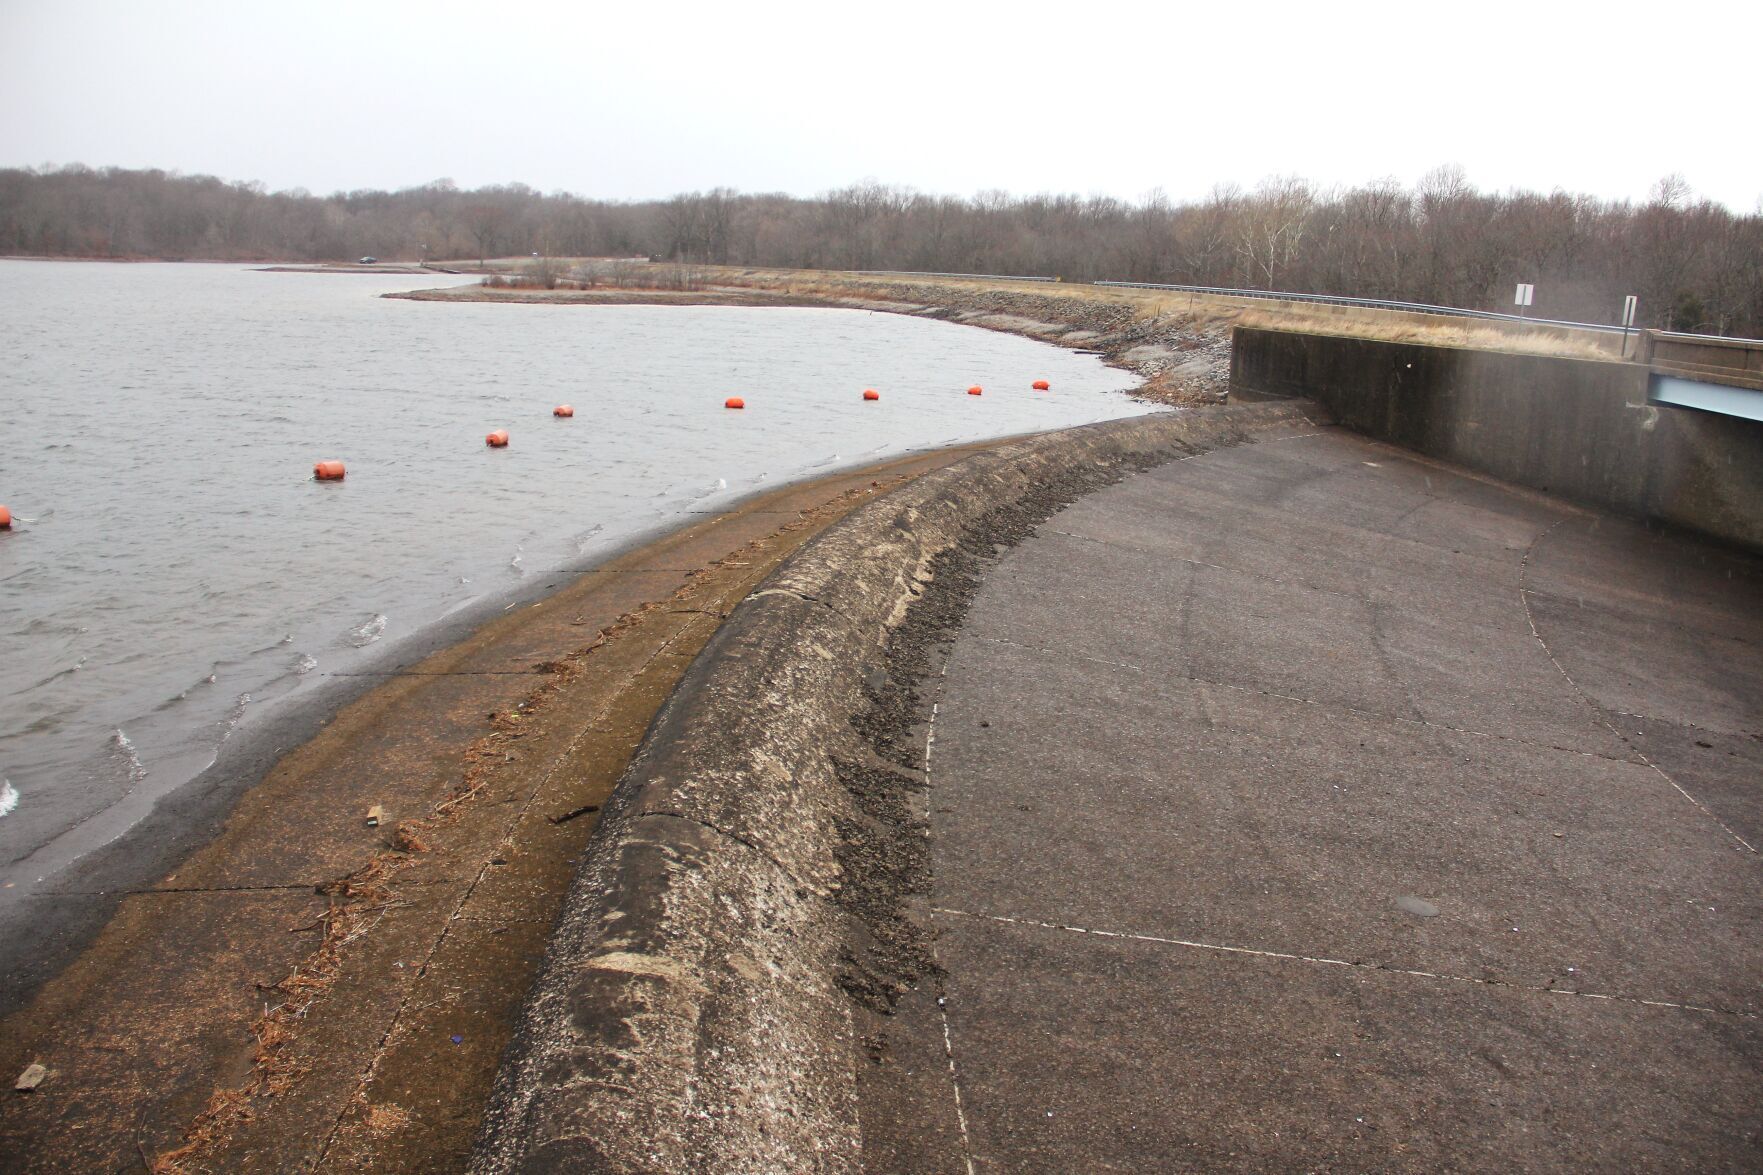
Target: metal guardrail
(1370, 303)
(1291, 296)
(996, 277)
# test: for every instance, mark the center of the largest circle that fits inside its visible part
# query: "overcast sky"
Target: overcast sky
(643, 99)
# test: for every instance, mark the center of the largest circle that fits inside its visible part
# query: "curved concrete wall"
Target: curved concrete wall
(688, 1015)
(1580, 428)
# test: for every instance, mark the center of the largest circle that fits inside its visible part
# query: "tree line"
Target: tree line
(1694, 264)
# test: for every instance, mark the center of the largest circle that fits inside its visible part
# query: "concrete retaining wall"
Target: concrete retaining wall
(688, 1016)
(1580, 428)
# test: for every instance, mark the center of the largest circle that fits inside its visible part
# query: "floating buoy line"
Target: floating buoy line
(498, 438)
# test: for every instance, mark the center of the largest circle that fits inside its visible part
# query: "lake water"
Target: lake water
(174, 570)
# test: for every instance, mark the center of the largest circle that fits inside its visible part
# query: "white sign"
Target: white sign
(1628, 307)
(1524, 295)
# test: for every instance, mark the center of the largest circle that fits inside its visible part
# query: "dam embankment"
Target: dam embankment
(1223, 790)
(1579, 428)
(755, 895)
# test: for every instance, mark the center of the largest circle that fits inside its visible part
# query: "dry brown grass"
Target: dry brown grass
(1207, 312)
(1447, 332)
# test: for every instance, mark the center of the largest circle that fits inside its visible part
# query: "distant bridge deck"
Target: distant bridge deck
(1705, 372)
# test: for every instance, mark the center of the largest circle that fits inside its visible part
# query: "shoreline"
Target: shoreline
(194, 812)
(1182, 359)
(274, 831)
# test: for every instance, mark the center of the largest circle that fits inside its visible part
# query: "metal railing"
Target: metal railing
(1369, 303)
(995, 277)
(1269, 295)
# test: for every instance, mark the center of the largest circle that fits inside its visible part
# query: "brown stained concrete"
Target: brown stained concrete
(1313, 805)
(288, 997)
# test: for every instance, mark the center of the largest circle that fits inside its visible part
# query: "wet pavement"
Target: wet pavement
(1310, 805)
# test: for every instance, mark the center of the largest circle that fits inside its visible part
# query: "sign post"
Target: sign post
(1628, 309)
(1523, 297)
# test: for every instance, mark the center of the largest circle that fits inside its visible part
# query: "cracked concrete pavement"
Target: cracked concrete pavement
(1312, 805)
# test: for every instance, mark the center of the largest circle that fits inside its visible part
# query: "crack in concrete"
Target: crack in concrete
(1326, 961)
(737, 838)
(460, 912)
(1332, 706)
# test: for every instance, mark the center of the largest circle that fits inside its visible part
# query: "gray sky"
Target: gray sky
(644, 99)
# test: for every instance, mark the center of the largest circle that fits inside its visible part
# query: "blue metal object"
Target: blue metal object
(1706, 397)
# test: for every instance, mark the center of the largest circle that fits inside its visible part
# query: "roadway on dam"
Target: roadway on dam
(1308, 804)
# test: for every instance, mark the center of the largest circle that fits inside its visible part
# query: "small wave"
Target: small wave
(367, 632)
(722, 483)
(8, 796)
(234, 716)
(59, 674)
(131, 758)
(585, 540)
(514, 563)
(305, 664)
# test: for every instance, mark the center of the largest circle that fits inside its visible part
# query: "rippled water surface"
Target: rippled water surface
(174, 569)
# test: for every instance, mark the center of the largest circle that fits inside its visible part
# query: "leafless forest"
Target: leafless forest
(1694, 264)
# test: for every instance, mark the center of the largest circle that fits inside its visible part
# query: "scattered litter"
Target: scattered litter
(457, 1039)
(1419, 907)
(375, 814)
(572, 814)
(31, 1077)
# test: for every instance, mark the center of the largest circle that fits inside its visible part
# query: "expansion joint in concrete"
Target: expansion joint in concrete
(1326, 961)
(1598, 711)
(930, 741)
(391, 673)
(280, 887)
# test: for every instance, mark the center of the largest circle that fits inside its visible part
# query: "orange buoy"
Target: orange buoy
(563, 410)
(497, 439)
(871, 394)
(328, 471)
(976, 390)
(5, 518)
(1041, 385)
(734, 402)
